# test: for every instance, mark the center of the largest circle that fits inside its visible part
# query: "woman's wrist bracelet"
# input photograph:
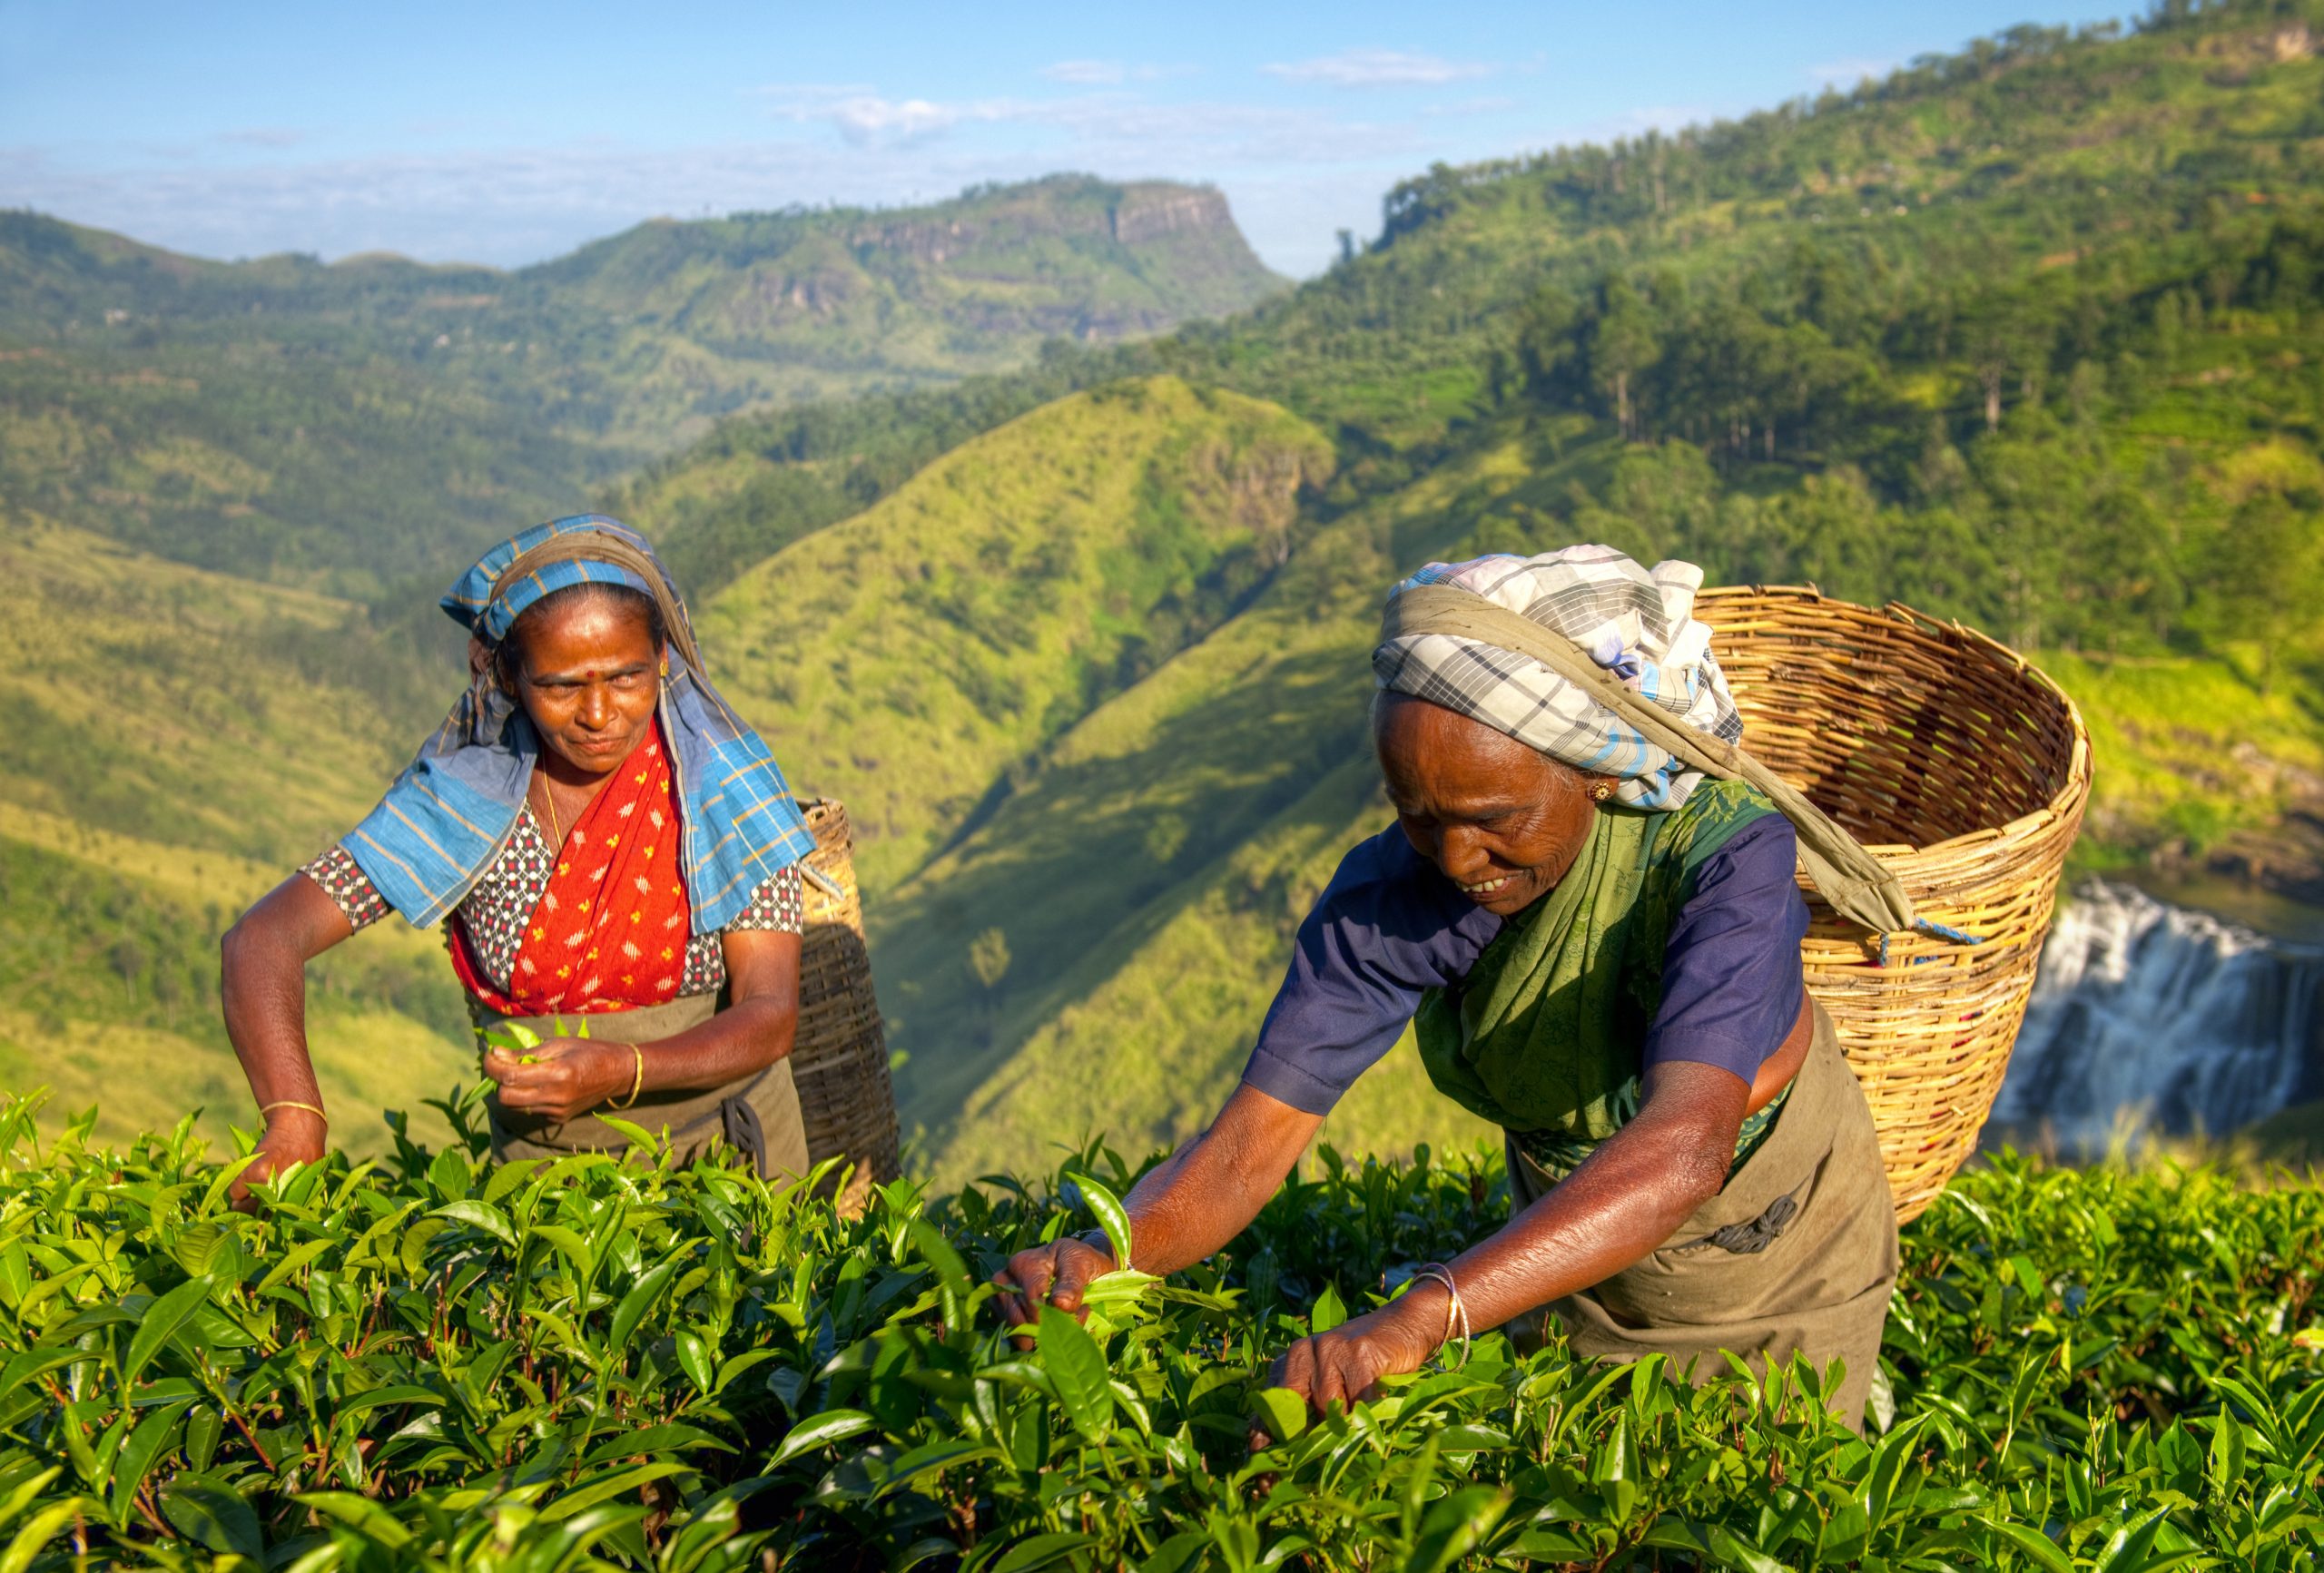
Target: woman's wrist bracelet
(284, 1103)
(636, 1080)
(1456, 1310)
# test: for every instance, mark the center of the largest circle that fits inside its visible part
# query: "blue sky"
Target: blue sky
(508, 133)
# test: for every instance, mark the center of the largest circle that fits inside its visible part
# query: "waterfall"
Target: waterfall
(2162, 1017)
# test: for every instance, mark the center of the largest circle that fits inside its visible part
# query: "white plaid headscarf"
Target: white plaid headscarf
(1637, 623)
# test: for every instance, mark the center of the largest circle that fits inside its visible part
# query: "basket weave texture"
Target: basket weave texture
(839, 1058)
(1965, 770)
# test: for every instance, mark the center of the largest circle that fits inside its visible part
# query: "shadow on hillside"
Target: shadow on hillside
(1092, 859)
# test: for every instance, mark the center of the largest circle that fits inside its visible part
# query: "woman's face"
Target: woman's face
(1503, 822)
(588, 675)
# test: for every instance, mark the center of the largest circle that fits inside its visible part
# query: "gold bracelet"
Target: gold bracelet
(638, 1081)
(1456, 1310)
(265, 1109)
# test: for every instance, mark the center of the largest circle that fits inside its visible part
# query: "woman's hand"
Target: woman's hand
(293, 1136)
(1339, 1367)
(1055, 1273)
(568, 1076)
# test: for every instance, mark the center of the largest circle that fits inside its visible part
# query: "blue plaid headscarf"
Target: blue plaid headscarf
(449, 812)
(1637, 623)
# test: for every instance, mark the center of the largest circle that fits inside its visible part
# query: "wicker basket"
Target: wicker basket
(840, 1057)
(1965, 770)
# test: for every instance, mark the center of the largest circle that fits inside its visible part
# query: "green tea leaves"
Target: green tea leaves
(586, 1361)
(821, 1432)
(160, 1324)
(1078, 1366)
(1111, 1216)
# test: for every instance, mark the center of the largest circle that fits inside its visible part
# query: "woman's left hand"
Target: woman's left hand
(568, 1076)
(1339, 1367)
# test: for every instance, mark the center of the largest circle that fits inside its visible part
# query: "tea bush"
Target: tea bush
(429, 1361)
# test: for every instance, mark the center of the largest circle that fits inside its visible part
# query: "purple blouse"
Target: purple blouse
(1390, 925)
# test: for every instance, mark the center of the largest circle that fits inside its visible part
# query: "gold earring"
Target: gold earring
(665, 668)
(1601, 791)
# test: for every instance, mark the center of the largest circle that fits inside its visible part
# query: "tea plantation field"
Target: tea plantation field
(426, 1362)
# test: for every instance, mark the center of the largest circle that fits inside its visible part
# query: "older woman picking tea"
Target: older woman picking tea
(1597, 948)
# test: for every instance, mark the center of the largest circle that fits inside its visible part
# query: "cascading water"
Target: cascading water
(2162, 1018)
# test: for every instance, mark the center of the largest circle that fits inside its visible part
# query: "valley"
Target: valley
(1075, 618)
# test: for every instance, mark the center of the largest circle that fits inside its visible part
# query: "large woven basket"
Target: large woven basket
(840, 1055)
(1963, 769)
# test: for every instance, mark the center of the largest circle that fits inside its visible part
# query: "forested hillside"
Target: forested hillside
(2031, 335)
(2028, 336)
(361, 422)
(176, 742)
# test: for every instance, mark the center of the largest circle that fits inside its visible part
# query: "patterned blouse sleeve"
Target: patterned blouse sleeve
(346, 883)
(779, 905)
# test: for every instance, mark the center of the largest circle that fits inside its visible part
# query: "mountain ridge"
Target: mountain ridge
(351, 425)
(1111, 743)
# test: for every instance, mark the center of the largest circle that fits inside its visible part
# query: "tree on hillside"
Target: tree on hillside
(1623, 345)
(1548, 349)
(2262, 572)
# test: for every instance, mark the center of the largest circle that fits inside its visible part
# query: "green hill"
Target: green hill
(177, 742)
(924, 650)
(2027, 336)
(358, 423)
(2033, 335)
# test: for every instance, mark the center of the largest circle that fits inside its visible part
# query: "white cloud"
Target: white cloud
(1086, 72)
(1379, 68)
(1292, 174)
(866, 118)
(1191, 141)
(869, 119)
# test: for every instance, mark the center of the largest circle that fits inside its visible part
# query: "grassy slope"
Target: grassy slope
(1149, 875)
(149, 708)
(163, 702)
(1099, 799)
(112, 989)
(2187, 751)
(908, 658)
(1144, 877)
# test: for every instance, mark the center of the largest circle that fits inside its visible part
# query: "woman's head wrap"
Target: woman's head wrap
(450, 810)
(521, 572)
(1637, 623)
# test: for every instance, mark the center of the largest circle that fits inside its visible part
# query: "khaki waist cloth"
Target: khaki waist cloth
(757, 1115)
(1797, 1255)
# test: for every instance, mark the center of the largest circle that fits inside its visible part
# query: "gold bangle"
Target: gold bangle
(265, 1109)
(638, 1081)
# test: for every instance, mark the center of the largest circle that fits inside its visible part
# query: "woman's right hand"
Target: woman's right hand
(1054, 1275)
(293, 1136)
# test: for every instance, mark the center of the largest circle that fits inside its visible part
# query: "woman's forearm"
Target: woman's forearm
(1209, 1190)
(1622, 1202)
(757, 1027)
(262, 988)
(741, 1040)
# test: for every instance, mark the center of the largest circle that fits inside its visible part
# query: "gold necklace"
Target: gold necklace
(548, 796)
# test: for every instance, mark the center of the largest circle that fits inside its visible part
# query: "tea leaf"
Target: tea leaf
(1078, 1366)
(1111, 1216)
(1281, 1411)
(160, 1324)
(822, 1430)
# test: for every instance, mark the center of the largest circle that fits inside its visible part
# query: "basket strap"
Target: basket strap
(1858, 886)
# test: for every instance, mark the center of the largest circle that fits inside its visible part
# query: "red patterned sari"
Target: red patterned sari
(611, 929)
